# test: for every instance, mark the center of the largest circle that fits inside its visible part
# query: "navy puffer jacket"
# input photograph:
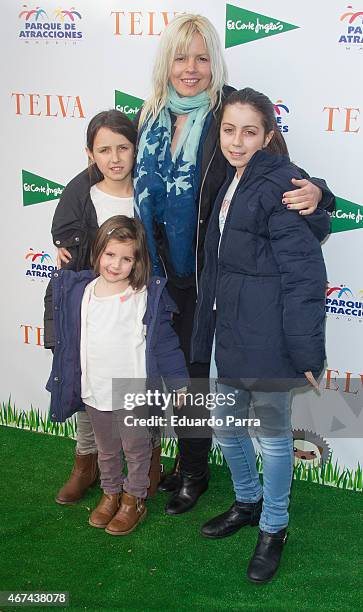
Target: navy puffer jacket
(164, 358)
(268, 281)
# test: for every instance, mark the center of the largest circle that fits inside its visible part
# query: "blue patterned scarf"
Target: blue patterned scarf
(165, 186)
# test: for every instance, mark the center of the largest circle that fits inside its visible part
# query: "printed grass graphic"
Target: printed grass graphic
(329, 473)
(34, 420)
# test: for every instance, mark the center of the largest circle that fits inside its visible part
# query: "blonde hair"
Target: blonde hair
(177, 37)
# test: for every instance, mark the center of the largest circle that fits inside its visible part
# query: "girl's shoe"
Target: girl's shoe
(228, 523)
(106, 509)
(191, 488)
(266, 558)
(130, 513)
(83, 476)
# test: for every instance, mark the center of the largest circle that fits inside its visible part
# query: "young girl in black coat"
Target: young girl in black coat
(263, 292)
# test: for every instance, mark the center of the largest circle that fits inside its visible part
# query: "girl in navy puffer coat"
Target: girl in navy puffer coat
(114, 345)
(261, 297)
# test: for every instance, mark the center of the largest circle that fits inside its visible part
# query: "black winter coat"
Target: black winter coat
(269, 283)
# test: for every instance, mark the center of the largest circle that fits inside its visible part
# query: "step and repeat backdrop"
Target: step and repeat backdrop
(62, 64)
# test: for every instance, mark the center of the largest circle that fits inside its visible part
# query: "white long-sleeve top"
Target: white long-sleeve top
(113, 344)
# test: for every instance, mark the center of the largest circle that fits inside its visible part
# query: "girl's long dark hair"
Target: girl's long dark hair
(263, 105)
(115, 121)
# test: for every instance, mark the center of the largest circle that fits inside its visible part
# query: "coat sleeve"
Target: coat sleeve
(69, 227)
(303, 283)
(68, 213)
(327, 201)
(49, 340)
(170, 358)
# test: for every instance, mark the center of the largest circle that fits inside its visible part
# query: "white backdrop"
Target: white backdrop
(52, 86)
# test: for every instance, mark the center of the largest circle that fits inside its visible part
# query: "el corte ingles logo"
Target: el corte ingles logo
(129, 105)
(244, 26)
(37, 189)
(347, 216)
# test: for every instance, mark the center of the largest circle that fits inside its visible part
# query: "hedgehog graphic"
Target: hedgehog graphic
(310, 448)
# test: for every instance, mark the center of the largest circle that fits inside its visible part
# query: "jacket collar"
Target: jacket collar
(73, 277)
(262, 163)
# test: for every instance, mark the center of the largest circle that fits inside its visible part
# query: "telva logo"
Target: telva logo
(139, 23)
(48, 105)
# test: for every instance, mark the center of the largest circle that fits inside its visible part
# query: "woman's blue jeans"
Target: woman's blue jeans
(275, 439)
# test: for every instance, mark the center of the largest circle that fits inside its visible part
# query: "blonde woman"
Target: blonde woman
(179, 171)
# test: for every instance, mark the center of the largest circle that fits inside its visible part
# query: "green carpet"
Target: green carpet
(165, 564)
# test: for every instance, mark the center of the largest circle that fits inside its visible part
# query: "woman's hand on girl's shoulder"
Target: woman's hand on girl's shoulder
(63, 256)
(305, 199)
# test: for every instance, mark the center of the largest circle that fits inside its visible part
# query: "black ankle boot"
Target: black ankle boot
(171, 482)
(191, 488)
(228, 523)
(267, 555)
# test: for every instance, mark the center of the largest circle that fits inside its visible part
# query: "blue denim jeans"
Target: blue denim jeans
(275, 440)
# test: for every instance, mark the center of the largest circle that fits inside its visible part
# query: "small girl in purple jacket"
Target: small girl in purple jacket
(104, 350)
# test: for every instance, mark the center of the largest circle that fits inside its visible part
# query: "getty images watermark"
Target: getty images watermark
(177, 400)
(333, 411)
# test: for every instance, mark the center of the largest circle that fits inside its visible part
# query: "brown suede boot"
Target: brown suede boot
(84, 474)
(131, 512)
(106, 509)
(155, 471)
